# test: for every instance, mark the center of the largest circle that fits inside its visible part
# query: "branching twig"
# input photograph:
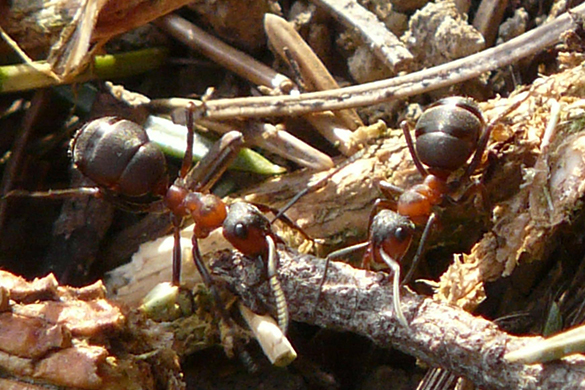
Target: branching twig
(399, 87)
(360, 301)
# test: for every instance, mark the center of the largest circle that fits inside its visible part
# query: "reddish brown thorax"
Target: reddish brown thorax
(417, 202)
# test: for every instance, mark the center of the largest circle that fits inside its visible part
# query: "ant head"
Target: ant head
(246, 229)
(391, 232)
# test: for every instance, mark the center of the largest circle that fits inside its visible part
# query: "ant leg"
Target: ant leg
(283, 218)
(420, 249)
(473, 187)
(215, 162)
(176, 250)
(208, 281)
(419, 165)
(333, 255)
(483, 141)
(221, 308)
(279, 298)
(55, 194)
(188, 156)
(481, 146)
(395, 267)
(389, 190)
(206, 276)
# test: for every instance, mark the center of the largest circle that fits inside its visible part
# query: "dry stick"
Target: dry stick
(385, 90)
(256, 72)
(249, 68)
(316, 76)
(385, 45)
(439, 334)
(488, 19)
(336, 127)
(17, 158)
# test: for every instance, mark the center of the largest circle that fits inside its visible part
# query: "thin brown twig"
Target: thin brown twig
(19, 150)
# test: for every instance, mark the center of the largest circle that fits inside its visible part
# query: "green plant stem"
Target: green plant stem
(22, 77)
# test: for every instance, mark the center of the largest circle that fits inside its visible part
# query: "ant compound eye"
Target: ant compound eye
(241, 231)
(402, 233)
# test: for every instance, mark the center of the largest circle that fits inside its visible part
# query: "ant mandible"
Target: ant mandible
(448, 134)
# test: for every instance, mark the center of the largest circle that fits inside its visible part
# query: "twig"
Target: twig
(488, 18)
(224, 54)
(360, 301)
(336, 126)
(19, 150)
(389, 49)
(396, 88)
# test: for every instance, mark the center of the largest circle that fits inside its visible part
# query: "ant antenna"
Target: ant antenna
(277, 292)
(318, 184)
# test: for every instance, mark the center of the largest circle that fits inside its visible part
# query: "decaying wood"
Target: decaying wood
(526, 226)
(76, 339)
(360, 301)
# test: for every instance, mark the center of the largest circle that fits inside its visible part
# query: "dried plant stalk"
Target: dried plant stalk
(385, 45)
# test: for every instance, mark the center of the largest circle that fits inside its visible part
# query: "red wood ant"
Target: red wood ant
(448, 134)
(130, 172)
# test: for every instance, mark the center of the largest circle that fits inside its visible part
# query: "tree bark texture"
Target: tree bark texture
(361, 301)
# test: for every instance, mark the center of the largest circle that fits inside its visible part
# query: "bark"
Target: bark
(361, 301)
(75, 339)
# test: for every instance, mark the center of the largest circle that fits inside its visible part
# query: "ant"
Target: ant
(130, 171)
(448, 134)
